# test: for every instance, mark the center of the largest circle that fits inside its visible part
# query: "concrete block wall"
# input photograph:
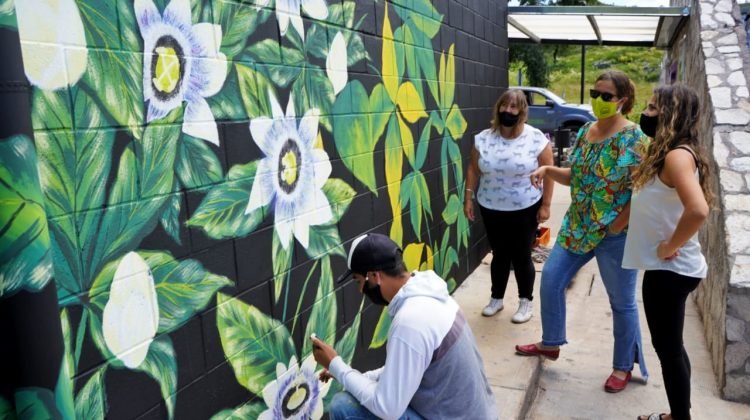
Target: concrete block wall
(715, 34)
(206, 163)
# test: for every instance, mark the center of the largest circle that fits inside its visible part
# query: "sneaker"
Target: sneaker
(495, 306)
(524, 312)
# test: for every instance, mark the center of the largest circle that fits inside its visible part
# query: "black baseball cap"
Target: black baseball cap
(371, 252)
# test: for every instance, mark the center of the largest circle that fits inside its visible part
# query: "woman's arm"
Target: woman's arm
(621, 221)
(545, 158)
(679, 172)
(472, 180)
(559, 175)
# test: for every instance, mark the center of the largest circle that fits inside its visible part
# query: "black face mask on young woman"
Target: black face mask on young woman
(648, 124)
(374, 294)
(507, 119)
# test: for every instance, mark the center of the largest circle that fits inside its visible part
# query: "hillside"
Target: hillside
(641, 64)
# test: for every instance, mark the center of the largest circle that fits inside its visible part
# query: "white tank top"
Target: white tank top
(654, 212)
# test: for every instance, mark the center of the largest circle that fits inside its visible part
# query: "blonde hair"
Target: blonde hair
(514, 96)
(679, 124)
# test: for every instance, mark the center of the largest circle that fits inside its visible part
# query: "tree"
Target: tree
(532, 56)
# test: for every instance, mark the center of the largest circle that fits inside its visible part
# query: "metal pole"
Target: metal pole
(583, 69)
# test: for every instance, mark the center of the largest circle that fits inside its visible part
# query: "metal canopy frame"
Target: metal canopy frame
(669, 21)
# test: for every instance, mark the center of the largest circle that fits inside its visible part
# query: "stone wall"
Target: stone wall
(715, 34)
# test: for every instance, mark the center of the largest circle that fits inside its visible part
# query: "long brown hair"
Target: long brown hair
(515, 96)
(624, 86)
(679, 122)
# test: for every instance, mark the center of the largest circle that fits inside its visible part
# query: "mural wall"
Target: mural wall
(204, 165)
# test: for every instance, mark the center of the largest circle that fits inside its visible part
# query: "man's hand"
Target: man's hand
(325, 376)
(322, 352)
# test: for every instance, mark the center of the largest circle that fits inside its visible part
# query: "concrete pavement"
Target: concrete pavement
(572, 386)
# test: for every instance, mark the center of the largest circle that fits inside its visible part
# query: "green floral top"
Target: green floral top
(600, 186)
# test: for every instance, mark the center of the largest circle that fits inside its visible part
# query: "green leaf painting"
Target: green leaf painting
(243, 412)
(7, 410)
(324, 239)
(339, 195)
(254, 88)
(183, 288)
(348, 342)
(282, 262)
(253, 342)
(352, 134)
(110, 69)
(73, 166)
(139, 193)
(91, 401)
(345, 348)
(127, 200)
(221, 214)
(380, 336)
(455, 123)
(170, 218)
(323, 316)
(7, 20)
(452, 209)
(24, 239)
(36, 403)
(161, 365)
(238, 22)
(196, 163)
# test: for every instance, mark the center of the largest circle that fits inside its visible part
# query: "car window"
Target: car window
(556, 98)
(537, 99)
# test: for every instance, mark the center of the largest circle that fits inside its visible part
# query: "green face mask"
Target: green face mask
(603, 109)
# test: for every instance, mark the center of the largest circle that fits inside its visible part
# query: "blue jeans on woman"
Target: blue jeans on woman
(345, 406)
(559, 270)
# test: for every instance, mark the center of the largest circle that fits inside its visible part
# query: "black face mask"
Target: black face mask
(648, 124)
(374, 294)
(507, 119)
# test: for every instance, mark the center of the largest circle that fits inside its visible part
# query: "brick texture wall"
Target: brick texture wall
(206, 164)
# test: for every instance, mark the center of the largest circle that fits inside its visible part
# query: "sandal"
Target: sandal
(652, 416)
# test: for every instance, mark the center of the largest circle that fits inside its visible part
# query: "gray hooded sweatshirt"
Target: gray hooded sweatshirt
(432, 363)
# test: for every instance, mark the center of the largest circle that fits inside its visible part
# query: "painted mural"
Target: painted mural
(126, 100)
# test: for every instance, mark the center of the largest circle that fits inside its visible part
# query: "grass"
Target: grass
(643, 65)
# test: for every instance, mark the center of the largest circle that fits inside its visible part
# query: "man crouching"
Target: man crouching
(432, 368)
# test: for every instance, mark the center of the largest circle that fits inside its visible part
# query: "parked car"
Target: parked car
(549, 112)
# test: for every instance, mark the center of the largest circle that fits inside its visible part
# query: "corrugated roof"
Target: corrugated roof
(596, 25)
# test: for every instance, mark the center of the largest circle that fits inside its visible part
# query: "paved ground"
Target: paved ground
(572, 386)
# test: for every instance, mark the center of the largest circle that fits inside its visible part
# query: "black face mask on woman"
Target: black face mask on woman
(648, 124)
(374, 294)
(507, 119)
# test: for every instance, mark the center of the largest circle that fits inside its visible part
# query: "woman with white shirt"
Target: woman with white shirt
(670, 203)
(502, 159)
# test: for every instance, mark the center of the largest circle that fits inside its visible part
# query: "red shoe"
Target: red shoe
(533, 350)
(615, 384)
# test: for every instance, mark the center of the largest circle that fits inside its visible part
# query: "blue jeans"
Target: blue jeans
(345, 406)
(559, 270)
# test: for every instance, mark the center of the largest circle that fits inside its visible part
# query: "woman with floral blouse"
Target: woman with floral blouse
(595, 226)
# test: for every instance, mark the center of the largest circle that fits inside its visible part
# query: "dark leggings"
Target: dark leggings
(664, 296)
(511, 234)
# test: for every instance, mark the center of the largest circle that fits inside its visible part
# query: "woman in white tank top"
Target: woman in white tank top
(670, 203)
